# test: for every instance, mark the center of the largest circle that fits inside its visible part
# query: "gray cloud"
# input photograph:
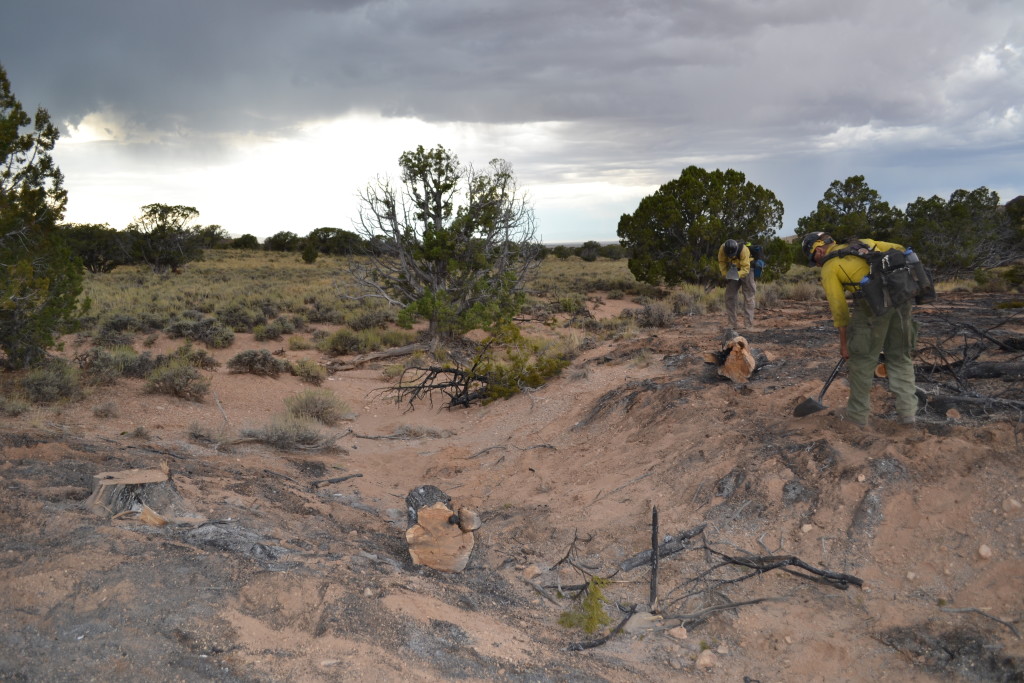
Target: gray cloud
(643, 86)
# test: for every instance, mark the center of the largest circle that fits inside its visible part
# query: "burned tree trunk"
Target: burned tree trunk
(736, 360)
(437, 536)
(116, 492)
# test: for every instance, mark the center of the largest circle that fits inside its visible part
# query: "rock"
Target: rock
(806, 528)
(643, 621)
(679, 633)
(984, 552)
(707, 660)
(1011, 505)
(531, 572)
(953, 414)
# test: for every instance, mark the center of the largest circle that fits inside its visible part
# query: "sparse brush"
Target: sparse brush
(300, 343)
(105, 410)
(802, 291)
(178, 378)
(369, 319)
(321, 405)
(258, 362)
(13, 406)
(418, 432)
(768, 295)
(689, 300)
(201, 434)
(55, 381)
(590, 614)
(140, 432)
(199, 358)
(655, 314)
(287, 433)
(309, 371)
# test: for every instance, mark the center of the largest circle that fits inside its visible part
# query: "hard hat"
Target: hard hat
(811, 241)
(732, 248)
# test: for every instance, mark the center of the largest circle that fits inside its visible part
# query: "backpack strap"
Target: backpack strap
(853, 247)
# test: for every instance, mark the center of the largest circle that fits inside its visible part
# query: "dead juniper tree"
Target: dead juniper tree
(450, 243)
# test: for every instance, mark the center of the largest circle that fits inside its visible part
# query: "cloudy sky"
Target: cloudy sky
(271, 115)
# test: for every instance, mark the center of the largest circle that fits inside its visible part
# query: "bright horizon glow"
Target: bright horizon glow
(311, 180)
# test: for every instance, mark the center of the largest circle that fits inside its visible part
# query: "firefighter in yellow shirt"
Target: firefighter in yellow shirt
(734, 264)
(862, 334)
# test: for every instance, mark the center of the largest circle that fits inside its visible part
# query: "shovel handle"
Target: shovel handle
(831, 378)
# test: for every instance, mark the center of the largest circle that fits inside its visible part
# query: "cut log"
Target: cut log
(437, 541)
(736, 361)
(115, 492)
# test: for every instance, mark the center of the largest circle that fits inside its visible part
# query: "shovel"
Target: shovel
(809, 406)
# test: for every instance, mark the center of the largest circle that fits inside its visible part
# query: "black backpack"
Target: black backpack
(894, 277)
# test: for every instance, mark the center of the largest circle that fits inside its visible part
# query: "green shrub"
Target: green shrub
(241, 317)
(309, 371)
(287, 433)
(196, 327)
(55, 381)
(199, 358)
(345, 342)
(299, 343)
(260, 362)
(369, 319)
(274, 330)
(589, 615)
(178, 378)
(320, 405)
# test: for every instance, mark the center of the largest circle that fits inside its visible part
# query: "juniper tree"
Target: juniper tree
(450, 243)
(40, 279)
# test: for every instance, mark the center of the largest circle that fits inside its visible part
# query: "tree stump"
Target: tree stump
(437, 537)
(117, 492)
(736, 360)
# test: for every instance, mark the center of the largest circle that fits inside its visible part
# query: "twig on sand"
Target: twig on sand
(975, 610)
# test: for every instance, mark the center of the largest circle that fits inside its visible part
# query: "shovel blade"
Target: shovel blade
(809, 406)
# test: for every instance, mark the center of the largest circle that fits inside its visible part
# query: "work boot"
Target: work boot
(908, 419)
(845, 417)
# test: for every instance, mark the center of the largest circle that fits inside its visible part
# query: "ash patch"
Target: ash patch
(961, 653)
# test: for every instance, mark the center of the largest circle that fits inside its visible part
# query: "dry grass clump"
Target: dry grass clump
(180, 378)
(105, 410)
(56, 380)
(288, 433)
(13, 406)
(320, 405)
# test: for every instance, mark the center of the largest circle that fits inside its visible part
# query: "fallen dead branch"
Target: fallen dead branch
(588, 644)
(975, 610)
(700, 615)
(338, 366)
(333, 480)
(505, 448)
(460, 387)
(677, 543)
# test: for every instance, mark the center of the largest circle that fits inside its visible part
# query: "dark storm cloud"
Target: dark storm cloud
(643, 87)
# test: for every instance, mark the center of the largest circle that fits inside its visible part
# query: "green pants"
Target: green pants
(893, 332)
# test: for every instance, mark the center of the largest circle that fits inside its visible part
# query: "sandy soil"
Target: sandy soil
(261, 576)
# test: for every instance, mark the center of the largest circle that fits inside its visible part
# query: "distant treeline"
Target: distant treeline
(168, 244)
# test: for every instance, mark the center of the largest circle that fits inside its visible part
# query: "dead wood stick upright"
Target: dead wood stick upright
(654, 559)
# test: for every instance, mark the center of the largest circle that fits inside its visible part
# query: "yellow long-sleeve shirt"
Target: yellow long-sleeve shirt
(843, 274)
(742, 262)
